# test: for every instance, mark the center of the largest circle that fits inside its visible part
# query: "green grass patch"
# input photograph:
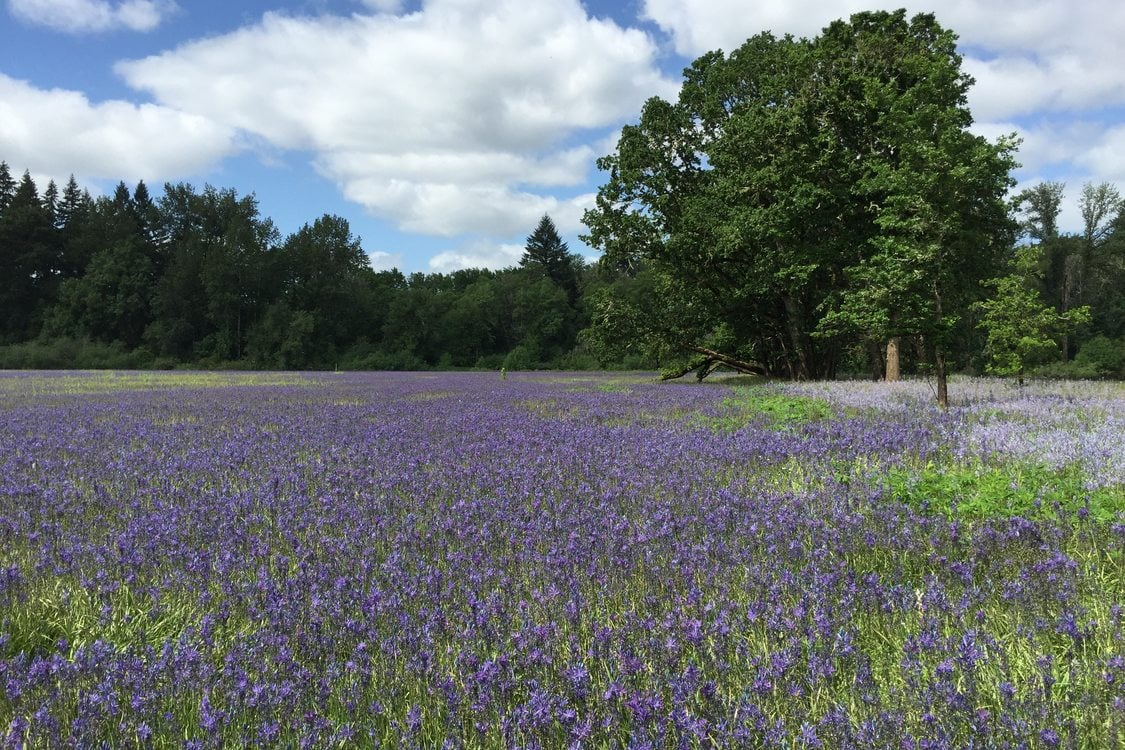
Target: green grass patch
(62, 612)
(765, 409)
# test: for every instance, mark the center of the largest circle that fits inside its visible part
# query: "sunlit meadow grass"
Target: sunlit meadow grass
(460, 560)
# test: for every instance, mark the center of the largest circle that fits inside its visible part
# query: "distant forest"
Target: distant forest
(198, 278)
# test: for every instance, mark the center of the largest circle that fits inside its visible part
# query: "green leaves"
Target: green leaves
(1021, 328)
(981, 492)
(826, 185)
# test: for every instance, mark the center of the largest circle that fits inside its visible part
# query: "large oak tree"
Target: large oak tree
(803, 195)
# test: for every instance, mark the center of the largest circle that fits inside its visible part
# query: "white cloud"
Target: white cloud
(79, 16)
(1074, 152)
(1105, 157)
(1022, 84)
(448, 209)
(481, 254)
(452, 119)
(698, 26)
(382, 261)
(63, 132)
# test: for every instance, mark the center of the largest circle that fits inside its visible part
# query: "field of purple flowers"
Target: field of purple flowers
(589, 561)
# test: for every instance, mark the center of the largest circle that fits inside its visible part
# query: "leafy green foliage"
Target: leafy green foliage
(763, 408)
(546, 251)
(1029, 490)
(1021, 328)
(797, 187)
(1104, 356)
(79, 617)
(799, 203)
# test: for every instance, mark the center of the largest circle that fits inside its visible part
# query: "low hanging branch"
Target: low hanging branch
(710, 361)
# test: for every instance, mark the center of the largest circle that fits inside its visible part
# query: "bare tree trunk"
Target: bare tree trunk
(710, 361)
(788, 359)
(942, 376)
(793, 326)
(747, 368)
(681, 371)
(939, 355)
(894, 370)
(875, 358)
(1071, 294)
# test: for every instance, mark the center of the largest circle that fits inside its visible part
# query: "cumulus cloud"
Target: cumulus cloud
(452, 119)
(1074, 152)
(1105, 157)
(81, 16)
(479, 254)
(383, 261)
(62, 132)
(1025, 84)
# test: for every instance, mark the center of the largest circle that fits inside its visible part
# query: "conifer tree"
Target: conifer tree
(73, 205)
(546, 250)
(51, 201)
(7, 186)
(28, 261)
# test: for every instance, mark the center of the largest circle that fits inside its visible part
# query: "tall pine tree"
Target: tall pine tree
(546, 250)
(28, 262)
(7, 186)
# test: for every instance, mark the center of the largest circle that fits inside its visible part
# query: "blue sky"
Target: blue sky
(443, 129)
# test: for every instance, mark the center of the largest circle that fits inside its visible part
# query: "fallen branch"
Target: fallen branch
(710, 361)
(746, 368)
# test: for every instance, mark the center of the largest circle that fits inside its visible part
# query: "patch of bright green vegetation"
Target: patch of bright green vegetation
(771, 410)
(613, 386)
(60, 611)
(599, 383)
(1017, 489)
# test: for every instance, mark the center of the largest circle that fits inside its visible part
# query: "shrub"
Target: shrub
(1103, 355)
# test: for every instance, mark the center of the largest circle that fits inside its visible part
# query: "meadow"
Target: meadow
(458, 560)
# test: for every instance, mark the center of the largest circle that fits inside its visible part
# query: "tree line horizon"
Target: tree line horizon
(806, 208)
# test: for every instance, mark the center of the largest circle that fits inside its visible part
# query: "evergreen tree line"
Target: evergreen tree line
(201, 278)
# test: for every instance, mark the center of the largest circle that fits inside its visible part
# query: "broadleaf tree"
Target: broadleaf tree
(813, 194)
(1022, 329)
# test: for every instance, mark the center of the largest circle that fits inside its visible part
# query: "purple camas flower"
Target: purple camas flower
(414, 718)
(542, 562)
(209, 719)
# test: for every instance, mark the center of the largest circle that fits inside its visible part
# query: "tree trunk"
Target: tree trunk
(710, 362)
(706, 369)
(939, 354)
(875, 359)
(673, 374)
(746, 368)
(942, 376)
(796, 338)
(1067, 287)
(894, 371)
